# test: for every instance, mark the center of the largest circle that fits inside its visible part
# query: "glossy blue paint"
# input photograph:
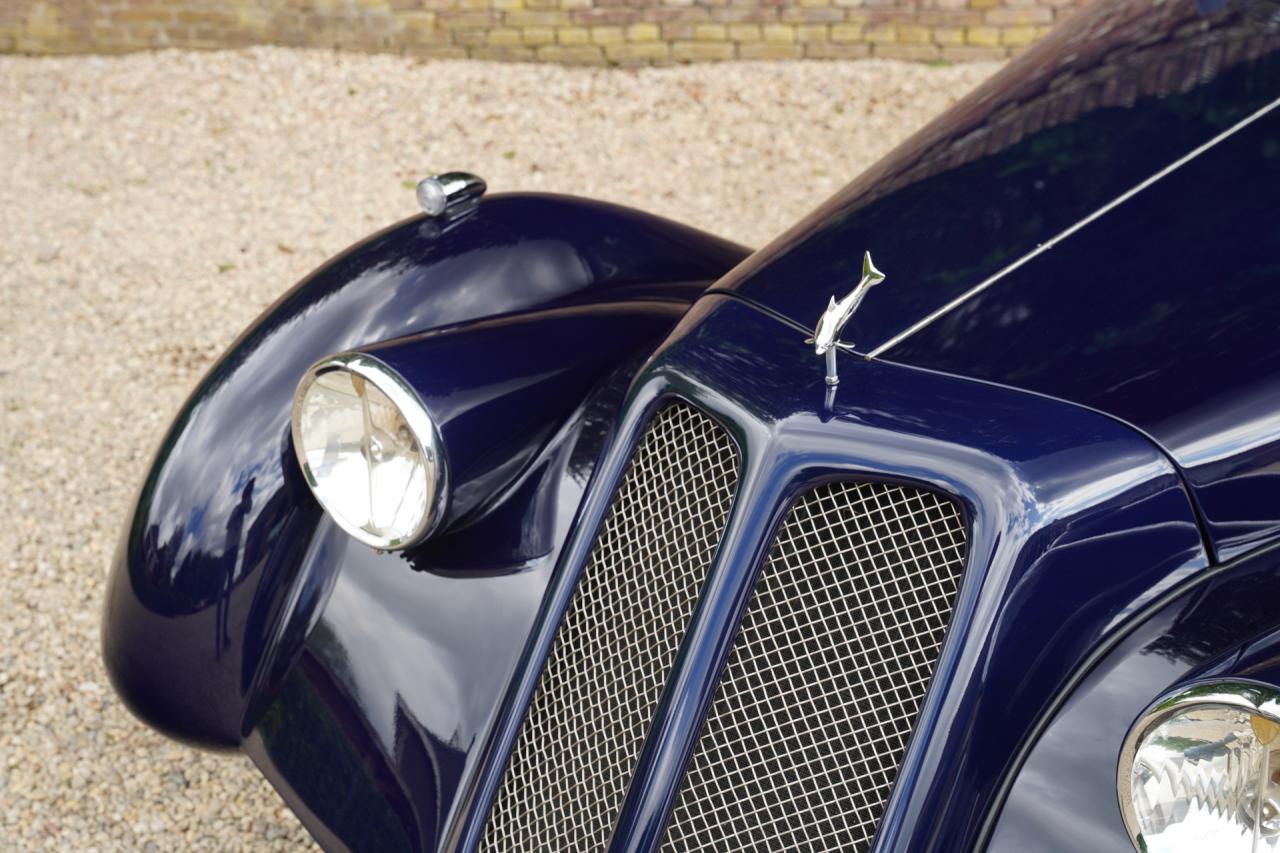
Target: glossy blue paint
(380, 692)
(1062, 503)
(1161, 312)
(374, 728)
(1165, 320)
(1103, 102)
(1223, 624)
(495, 414)
(225, 545)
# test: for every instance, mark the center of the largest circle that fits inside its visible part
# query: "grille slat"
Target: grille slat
(585, 726)
(824, 681)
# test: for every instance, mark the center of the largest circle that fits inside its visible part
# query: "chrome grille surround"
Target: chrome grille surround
(586, 723)
(826, 676)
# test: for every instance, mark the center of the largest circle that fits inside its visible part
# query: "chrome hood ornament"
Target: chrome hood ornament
(826, 335)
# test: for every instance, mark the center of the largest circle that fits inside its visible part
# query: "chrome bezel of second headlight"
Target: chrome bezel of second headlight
(425, 433)
(1246, 696)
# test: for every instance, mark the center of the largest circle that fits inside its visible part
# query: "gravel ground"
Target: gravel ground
(152, 205)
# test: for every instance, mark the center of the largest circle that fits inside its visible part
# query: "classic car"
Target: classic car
(948, 520)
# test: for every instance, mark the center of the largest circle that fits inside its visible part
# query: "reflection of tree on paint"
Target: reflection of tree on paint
(235, 532)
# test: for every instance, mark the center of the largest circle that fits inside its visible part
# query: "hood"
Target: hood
(1094, 224)
(1098, 107)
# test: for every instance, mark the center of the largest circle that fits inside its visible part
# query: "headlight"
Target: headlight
(370, 451)
(1200, 771)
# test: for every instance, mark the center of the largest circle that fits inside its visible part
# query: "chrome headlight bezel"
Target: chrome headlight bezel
(425, 432)
(1248, 697)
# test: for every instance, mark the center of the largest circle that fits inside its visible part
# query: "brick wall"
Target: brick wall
(618, 32)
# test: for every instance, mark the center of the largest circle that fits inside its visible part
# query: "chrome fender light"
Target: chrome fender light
(370, 451)
(1201, 771)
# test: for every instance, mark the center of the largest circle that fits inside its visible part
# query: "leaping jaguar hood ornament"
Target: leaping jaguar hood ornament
(826, 335)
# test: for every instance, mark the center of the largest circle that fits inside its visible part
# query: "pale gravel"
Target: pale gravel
(152, 205)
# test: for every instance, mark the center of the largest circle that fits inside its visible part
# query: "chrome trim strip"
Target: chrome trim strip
(1058, 238)
(1251, 696)
(420, 422)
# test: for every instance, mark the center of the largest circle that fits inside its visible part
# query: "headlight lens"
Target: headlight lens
(369, 450)
(1201, 770)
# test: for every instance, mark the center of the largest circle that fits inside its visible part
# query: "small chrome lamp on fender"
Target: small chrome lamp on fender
(449, 194)
(1199, 771)
(370, 451)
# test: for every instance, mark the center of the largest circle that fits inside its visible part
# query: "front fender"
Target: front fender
(224, 527)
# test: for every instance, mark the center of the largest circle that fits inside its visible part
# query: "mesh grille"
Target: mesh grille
(826, 676)
(586, 724)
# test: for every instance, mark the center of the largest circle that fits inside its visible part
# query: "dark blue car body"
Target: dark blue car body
(1079, 343)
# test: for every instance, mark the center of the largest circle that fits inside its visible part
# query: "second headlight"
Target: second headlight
(370, 451)
(1200, 771)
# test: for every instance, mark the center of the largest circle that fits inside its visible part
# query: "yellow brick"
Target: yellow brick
(914, 34)
(467, 37)
(135, 16)
(846, 32)
(644, 32)
(779, 33)
(438, 51)
(44, 31)
(650, 51)
(470, 20)
(573, 35)
(503, 53)
(536, 18)
(1018, 17)
(1018, 35)
(948, 35)
(578, 54)
(881, 35)
(508, 5)
(44, 22)
(1041, 32)
(423, 21)
(829, 50)
(607, 35)
(983, 4)
(576, 4)
(701, 50)
(257, 19)
(709, 32)
(501, 36)
(765, 50)
(982, 36)
(419, 24)
(202, 16)
(539, 35)
(909, 52)
(744, 32)
(811, 32)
